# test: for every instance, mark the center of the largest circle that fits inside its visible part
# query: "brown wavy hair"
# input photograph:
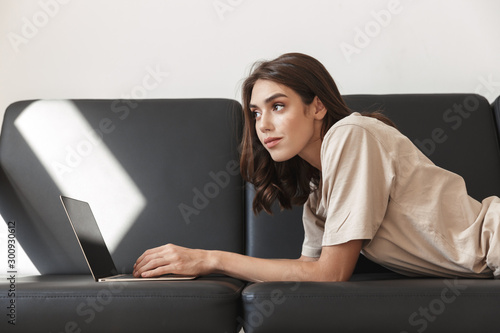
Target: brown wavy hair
(290, 182)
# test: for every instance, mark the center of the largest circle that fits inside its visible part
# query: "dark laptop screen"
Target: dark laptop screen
(90, 238)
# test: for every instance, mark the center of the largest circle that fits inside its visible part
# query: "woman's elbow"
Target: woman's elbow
(333, 277)
(329, 274)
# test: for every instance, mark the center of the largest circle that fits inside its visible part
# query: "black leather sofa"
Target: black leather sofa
(160, 171)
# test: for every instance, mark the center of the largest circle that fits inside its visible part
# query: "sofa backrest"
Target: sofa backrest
(159, 171)
(456, 131)
(153, 171)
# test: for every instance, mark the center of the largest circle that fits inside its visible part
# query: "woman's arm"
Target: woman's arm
(335, 264)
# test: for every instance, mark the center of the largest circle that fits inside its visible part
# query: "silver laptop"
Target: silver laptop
(94, 248)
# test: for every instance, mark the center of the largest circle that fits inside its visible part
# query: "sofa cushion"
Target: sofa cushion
(153, 171)
(373, 305)
(73, 303)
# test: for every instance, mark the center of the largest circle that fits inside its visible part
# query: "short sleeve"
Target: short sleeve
(357, 176)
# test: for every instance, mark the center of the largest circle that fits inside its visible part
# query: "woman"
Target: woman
(364, 186)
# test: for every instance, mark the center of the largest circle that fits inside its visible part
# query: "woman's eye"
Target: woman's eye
(256, 114)
(278, 107)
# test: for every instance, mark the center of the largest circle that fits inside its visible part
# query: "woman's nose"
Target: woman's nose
(265, 122)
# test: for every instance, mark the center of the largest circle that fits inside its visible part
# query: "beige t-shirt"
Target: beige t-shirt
(416, 218)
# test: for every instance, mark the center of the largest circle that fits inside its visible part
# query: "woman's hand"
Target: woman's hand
(174, 259)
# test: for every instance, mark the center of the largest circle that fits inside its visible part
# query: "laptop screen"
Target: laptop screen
(90, 238)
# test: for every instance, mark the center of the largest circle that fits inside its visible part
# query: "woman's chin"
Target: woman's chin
(280, 157)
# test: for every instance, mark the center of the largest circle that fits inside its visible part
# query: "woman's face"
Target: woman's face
(284, 124)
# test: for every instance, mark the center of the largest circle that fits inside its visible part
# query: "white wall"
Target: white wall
(108, 49)
(104, 49)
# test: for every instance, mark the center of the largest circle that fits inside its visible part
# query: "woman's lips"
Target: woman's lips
(271, 142)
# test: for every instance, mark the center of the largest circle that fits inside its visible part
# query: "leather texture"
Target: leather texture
(273, 236)
(172, 155)
(496, 110)
(76, 303)
(374, 305)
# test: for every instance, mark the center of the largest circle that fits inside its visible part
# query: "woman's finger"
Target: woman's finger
(156, 272)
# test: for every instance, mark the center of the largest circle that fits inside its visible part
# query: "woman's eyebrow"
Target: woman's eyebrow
(269, 99)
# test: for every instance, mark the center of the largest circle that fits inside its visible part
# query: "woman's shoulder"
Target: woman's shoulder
(356, 125)
(357, 120)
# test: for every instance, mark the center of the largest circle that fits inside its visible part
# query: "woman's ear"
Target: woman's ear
(319, 109)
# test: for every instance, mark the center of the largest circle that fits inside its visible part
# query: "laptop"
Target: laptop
(94, 248)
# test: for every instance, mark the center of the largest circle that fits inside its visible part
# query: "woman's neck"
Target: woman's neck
(312, 153)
